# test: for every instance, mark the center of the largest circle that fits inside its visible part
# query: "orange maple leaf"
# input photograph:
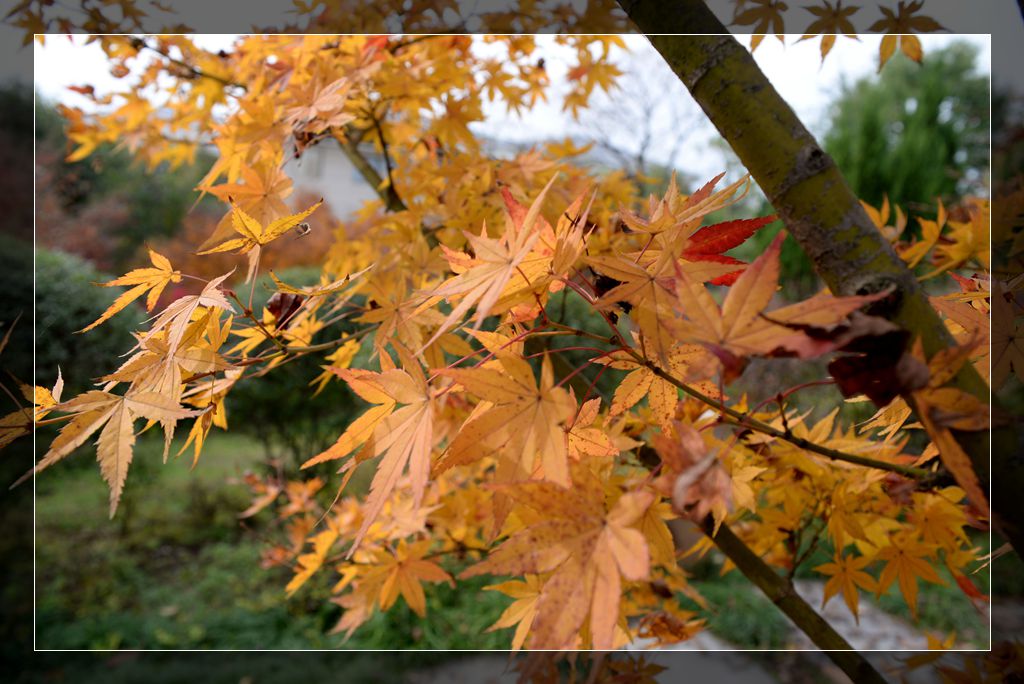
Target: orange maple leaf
(403, 436)
(585, 548)
(482, 278)
(534, 416)
(846, 574)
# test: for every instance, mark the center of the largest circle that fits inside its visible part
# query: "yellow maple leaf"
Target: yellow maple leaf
(403, 436)
(521, 612)
(309, 563)
(482, 278)
(254, 235)
(532, 413)
(899, 26)
(846, 574)
(115, 414)
(405, 570)
(152, 280)
(906, 560)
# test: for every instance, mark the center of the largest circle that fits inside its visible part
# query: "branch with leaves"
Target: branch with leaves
(832, 226)
(504, 439)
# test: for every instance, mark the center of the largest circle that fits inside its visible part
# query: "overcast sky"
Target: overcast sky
(794, 68)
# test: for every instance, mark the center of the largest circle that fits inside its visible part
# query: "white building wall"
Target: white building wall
(324, 170)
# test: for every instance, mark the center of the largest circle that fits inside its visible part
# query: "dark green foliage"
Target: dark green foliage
(177, 569)
(915, 132)
(66, 300)
(16, 210)
(16, 110)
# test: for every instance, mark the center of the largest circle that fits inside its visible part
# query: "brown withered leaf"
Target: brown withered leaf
(282, 306)
(876, 363)
(693, 476)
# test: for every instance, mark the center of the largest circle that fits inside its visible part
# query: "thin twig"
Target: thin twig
(731, 415)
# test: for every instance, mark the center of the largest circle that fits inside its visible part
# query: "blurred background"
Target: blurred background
(178, 569)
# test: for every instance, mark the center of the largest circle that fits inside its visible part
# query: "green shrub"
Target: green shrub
(66, 300)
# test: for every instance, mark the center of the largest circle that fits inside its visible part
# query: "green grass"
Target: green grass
(738, 612)
(176, 569)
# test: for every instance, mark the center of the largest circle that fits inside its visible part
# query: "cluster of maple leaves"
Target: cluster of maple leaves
(486, 458)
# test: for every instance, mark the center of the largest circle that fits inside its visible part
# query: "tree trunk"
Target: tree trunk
(821, 212)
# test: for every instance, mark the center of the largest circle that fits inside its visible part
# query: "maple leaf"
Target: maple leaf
(481, 279)
(650, 295)
(176, 317)
(846, 574)
(587, 549)
(741, 328)
(668, 628)
(645, 279)
(254, 235)
(970, 323)
(708, 243)
(831, 21)
(675, 235)
(21, 422)
(321, 106)
(930, 232)
(899, 26)
(152, 280)
(323, 289)
(115, 414)
(401, 436)
(684, 361)
(405, 569)
(534, 415)
(675, 216)
(263, 193)
(692, 475)
(942, 409)
(764, 16)
(266, 494)
(966, 240)
(586, 440)
(905, 558)
(309, 563)
(940, 518)
(880, 218)
(521, 612)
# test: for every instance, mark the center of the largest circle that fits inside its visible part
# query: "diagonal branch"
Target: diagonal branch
(141, 44)
(388, 194)
(782, 593)
(731, 415)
